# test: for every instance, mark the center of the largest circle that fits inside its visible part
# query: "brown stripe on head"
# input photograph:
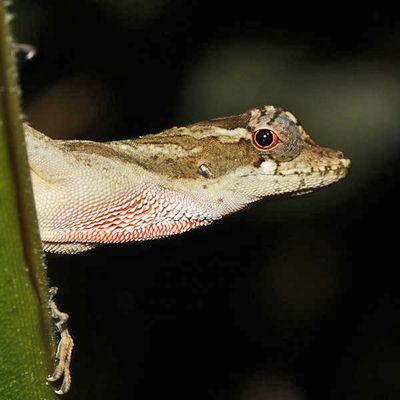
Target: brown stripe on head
(181, 156)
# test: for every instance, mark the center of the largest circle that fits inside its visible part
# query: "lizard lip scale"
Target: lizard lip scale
(89, 193)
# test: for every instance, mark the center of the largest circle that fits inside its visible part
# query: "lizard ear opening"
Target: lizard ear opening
(205, 171)
(264, 139)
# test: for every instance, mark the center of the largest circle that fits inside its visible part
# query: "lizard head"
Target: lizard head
(288, 155)
(261, 153)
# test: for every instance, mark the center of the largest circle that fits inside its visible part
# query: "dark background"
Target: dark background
(291, 299)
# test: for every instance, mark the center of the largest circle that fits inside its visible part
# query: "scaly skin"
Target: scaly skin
(90, 193)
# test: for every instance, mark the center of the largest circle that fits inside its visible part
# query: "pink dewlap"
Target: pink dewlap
(149, 213)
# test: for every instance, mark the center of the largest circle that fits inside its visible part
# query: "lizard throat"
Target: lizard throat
(149, 213)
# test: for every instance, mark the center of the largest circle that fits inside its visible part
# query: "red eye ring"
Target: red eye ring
(264, 139)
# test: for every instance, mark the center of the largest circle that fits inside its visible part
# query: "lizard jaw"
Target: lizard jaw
(307, 178)
(314, 168)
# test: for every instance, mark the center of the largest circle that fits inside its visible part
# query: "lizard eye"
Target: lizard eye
(264, 139)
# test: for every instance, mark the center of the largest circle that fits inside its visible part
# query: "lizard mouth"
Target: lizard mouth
(341, 167)
(304, 179)
(321, 168)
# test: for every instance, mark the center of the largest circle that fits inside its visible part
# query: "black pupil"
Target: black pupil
(264, 137)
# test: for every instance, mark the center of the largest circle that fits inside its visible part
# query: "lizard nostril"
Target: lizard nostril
(340, 154)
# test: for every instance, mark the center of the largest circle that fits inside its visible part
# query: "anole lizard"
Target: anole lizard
(90, 193)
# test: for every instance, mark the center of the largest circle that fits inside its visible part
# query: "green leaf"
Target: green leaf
(26, 334)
